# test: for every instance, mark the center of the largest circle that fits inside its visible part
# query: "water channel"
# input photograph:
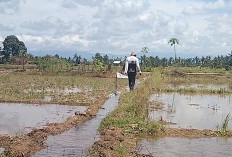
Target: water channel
(76, 141)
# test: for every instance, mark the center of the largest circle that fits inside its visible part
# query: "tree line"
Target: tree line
(15, 52)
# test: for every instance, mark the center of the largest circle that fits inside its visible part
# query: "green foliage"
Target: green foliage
(99, 66)
(173, 42)
(121, 150)
(145, 50)
(49, 63)
(132, 113)
(12, 46)
(143, 58)
(224, 128)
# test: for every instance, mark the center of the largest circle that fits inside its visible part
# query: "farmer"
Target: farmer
(131, 68)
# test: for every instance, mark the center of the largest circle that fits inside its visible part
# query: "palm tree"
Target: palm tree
(174, 41)
(144, 51)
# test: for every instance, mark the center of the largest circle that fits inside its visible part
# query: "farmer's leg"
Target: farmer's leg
(131, 77)
(130, 80)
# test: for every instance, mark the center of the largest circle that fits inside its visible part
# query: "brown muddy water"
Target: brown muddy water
(182, 147)
(192, 111)
(22, 118)
(76, 141)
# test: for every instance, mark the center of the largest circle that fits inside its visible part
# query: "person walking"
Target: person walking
(131, 68)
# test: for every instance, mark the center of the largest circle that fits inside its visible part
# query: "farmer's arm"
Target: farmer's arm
(126, 67)
(137, 64)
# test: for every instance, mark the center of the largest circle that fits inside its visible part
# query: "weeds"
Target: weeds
(121, 150)
(225, 125)
(23, 87)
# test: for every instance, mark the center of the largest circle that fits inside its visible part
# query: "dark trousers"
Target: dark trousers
(131, 78)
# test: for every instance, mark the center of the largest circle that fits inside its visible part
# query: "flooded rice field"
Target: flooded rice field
(77, 140)
(22, 118)
(62, 91)
(200, 86)
(189, 111)
(181, 147)
(199, 111)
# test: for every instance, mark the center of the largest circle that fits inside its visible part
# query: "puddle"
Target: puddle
(64, 91)
(192, 111)
(200, 86)
(77, 140)
(22, 118)
(181, 147)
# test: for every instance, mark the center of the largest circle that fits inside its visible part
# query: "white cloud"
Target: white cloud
(7, 27)
(10, 6)
(119, 26)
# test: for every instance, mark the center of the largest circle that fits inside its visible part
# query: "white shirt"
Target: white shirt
(132, 60)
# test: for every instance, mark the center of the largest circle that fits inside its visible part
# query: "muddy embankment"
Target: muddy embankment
(121, 138)
(25, 145)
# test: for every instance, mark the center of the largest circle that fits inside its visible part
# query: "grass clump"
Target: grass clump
(224, 130)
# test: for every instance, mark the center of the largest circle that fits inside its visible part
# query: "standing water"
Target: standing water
(22, 118)
(192, 111)
(77, 140)
(182, 147)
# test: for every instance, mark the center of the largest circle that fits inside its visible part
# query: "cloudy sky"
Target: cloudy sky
(203, 27)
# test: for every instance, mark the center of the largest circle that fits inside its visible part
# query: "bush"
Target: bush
(53, 64)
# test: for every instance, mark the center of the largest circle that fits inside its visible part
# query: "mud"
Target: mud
(171, 146)
(77, 140)
(112, 138)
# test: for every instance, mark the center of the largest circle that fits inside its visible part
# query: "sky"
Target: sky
(203, 27)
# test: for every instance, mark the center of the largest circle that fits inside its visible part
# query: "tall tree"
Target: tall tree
(12, 46)
(144, 50)
(173, 42)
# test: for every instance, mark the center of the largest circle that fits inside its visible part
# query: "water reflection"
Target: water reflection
(182, 147)
(75, 141)
(192, 111)
(22, 118)
(201, 86)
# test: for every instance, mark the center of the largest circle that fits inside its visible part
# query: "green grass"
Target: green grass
(131, 114)
(225, 128)
(121, 150)
(198, 70)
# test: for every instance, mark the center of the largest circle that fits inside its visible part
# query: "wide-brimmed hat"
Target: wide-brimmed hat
(133, 54)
